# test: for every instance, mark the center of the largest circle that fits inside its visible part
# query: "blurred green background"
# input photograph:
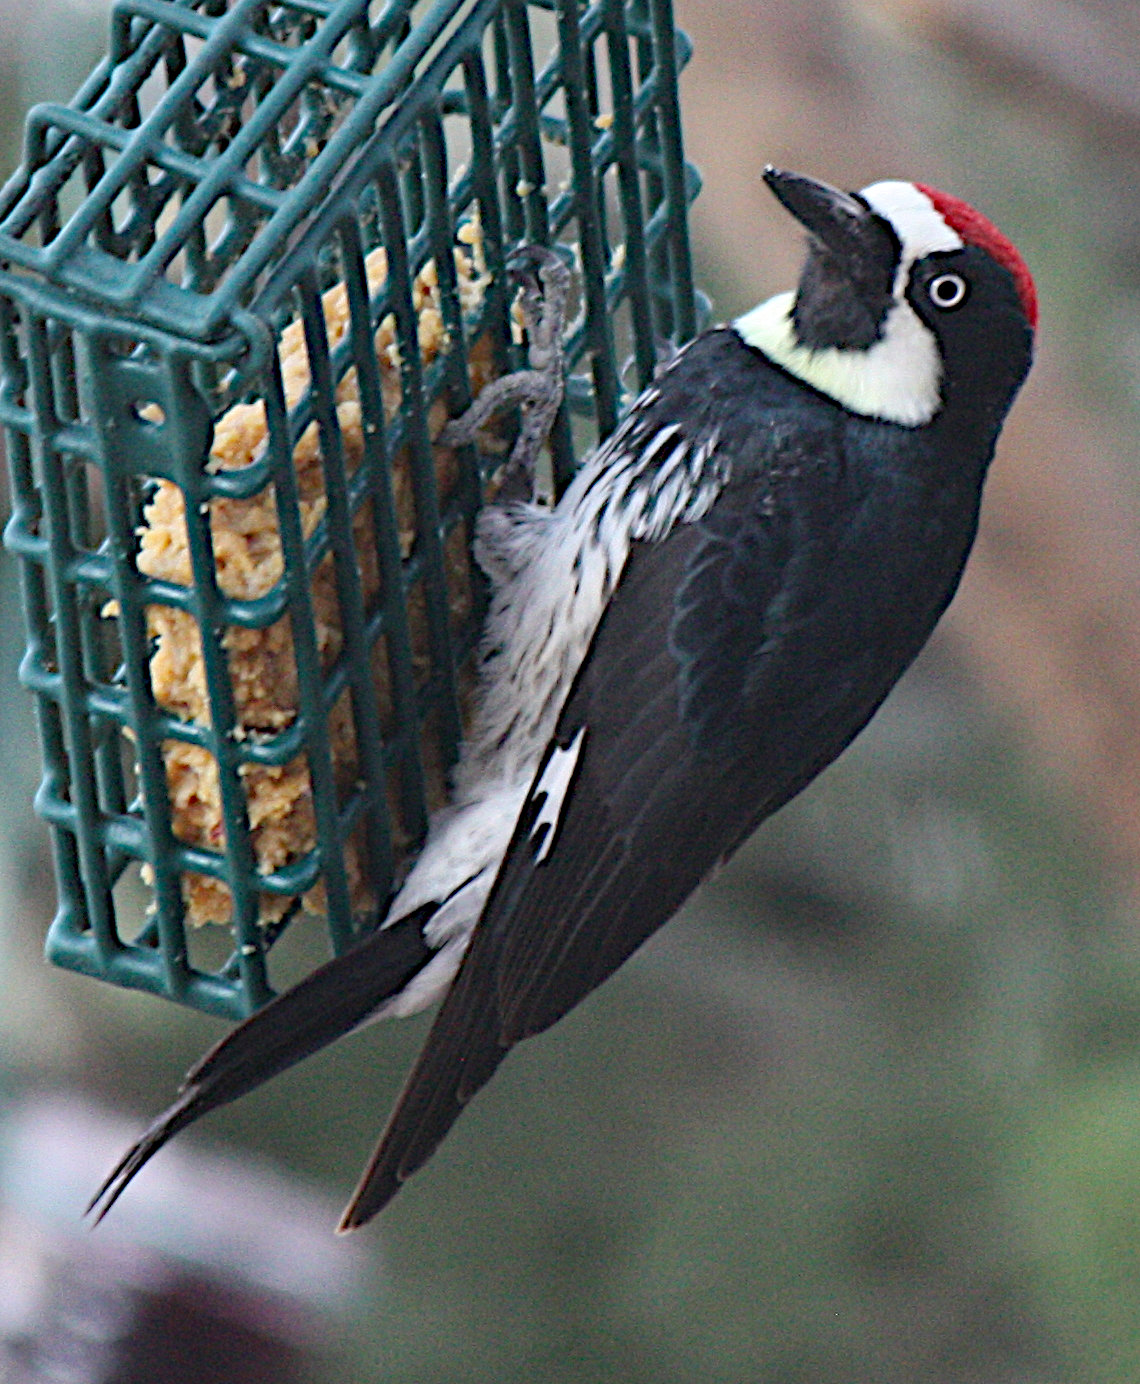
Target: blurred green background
(869, 1110)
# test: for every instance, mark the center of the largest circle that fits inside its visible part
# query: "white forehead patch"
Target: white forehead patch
(917, 222)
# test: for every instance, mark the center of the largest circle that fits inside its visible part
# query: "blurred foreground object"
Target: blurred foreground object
(213, 1274)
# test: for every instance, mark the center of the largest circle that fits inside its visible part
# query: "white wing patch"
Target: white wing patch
(554, 783)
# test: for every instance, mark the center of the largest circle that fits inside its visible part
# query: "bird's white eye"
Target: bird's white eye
(948, 291)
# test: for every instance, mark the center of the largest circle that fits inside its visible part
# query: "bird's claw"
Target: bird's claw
(543, 281)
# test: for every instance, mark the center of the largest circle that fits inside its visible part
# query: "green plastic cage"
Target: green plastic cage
(244, 276)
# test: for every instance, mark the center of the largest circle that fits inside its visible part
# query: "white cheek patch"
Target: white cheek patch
(898, 380)
(554, 783)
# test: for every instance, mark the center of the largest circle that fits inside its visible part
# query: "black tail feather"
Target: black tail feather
(335, 999)
(461, 1055)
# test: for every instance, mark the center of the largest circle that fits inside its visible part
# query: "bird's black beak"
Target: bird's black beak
(847, 283)
(840, 221)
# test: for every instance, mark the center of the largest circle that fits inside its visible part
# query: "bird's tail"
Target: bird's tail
(335, 999)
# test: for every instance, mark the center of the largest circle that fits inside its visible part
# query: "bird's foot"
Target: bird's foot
(543, 281)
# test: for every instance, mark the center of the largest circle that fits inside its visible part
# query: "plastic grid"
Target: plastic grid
(224, 168)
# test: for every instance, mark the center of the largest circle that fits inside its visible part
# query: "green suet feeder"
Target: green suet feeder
(245, 276)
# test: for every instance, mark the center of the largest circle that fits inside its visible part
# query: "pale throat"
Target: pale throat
(898, 379)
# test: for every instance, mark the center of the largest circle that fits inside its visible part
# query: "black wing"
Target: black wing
(693, 718)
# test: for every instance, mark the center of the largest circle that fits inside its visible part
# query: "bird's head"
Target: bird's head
(909, 302)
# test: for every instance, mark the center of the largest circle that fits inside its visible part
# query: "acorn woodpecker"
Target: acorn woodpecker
(722, 598)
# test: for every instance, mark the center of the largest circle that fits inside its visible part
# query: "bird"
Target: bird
(716, 606)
